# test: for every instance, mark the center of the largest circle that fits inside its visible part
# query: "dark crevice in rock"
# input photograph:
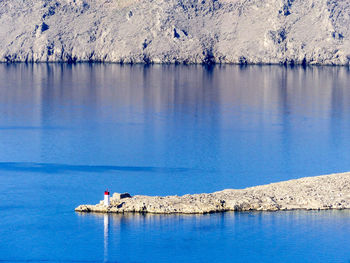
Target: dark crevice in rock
(51, 9)
(146, 59)
(208, 57)
(176, 35)
(304, 62)
(91, 56)
(278, 36)
(243, 60)
(146, 43)
(44, 27)
(50, 49)
(71, 59)
(338, 36)
(286, 8)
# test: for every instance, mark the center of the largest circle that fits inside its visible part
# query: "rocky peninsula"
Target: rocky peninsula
(176, 31)
(310, 193)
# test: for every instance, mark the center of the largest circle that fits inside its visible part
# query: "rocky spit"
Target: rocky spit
(176, 31)
(309, 193)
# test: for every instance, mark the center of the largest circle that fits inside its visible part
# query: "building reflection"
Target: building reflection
(105, 236)
(125, 235)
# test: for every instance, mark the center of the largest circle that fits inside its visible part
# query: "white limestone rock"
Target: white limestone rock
(176, 31)
(311, 193)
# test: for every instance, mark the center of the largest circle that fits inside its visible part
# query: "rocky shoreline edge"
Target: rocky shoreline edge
(310, 193)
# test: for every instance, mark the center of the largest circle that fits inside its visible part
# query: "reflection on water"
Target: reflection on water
(292, 236)
(61, 168)
(105, 236)
(234, 126)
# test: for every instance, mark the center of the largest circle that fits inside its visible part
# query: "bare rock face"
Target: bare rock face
(311, 193)
(176, 31)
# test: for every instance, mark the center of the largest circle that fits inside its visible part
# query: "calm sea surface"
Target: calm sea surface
(67, 132)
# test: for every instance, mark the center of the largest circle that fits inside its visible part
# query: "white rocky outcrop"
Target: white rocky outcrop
(311, 193)
(176, 31)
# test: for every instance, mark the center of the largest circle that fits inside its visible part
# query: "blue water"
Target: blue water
(69, 131)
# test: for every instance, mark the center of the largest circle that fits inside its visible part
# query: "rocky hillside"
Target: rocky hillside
(176, 31)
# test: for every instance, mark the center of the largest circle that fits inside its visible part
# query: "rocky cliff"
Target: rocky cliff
(311, 193)
(176, 31)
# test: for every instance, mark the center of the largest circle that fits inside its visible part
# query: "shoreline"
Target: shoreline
(323, 192)
(97, 62)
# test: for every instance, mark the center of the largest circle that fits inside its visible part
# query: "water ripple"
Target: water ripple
(59, 168)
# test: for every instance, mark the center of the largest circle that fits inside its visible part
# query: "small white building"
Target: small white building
(106, 199)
